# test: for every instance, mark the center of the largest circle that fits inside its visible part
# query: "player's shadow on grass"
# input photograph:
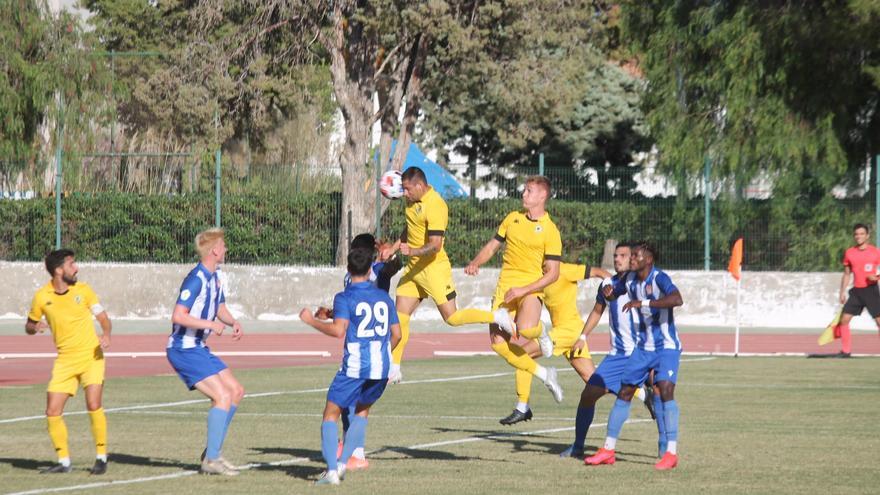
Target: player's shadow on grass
(431, 455)
(28, 464)
(136, 460)
(300, 470)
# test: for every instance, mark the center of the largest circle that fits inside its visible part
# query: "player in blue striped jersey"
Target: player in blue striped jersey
(652, 296)
(366, 316)
(201, 310)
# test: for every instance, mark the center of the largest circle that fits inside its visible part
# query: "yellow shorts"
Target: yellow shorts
(498, 299)
(432, 280)
(564, 338)
(71, 370)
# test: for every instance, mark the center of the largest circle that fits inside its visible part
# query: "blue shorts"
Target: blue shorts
(664, 363)
(609, 372)
(194, 365)
(346, 391)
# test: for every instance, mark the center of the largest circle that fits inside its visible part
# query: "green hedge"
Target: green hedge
(302, 228)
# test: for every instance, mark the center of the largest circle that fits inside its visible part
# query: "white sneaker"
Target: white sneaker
(328, 478)
(395, 375)
(552, 383)
(340, 471)
(503, 320)
(545, 342)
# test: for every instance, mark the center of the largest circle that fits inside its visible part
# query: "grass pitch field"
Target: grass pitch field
(748, 425)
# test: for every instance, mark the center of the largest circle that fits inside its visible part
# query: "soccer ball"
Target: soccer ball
(391, 185)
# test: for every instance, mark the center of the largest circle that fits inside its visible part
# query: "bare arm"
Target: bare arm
(106, 328)
(336, 328)
(395, 335)
(32, 327)
(671, 300)
(844, 283)
(596, 272)
(181, 317)
(485, 254)
(435, 243)
(551, 274)
(593, 319)
(224, 315)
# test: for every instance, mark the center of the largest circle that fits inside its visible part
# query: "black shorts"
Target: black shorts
(861, 298)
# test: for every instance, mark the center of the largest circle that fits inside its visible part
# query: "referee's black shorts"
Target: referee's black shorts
(861, 298)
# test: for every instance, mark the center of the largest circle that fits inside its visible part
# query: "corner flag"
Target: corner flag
(736, 259)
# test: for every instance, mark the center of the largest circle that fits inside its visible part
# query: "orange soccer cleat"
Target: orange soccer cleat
(668, 462)
(355, 463)
(603, 456)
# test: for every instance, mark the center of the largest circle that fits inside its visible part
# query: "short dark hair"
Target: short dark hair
(365, 241)
(626, 244)
(414, 173)
(647, 246)
(56, 258)
(861, 226)
(359, 261)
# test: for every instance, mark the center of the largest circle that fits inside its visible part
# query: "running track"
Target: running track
(23, 371)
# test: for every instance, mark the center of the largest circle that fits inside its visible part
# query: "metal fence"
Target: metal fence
(147, 207)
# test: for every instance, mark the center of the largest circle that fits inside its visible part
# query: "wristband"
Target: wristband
(646, 303)
(583, 337)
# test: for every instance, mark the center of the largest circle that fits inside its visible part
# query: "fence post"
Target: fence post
(541, 164)
(58, 175)
(378, 203)
(217, 159)
(707, 205)
(877, 199)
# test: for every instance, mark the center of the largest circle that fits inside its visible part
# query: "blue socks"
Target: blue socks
(618, 416)
(229, 416)
(355, 437)
(216, 431)
(329, 442)
(582, 422)
(670, 413)
(660, 412)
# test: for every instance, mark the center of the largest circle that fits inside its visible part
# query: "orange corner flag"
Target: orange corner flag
(736, 259)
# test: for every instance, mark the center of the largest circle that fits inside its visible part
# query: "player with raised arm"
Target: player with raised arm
(652, 296)
(560, 297)
(428, 271)
(200, 311)
(68, 306)
(366, 317)
(530, 263)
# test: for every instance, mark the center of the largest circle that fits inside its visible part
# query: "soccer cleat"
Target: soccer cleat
(844, 355)
(546, 343)
(552, 383)
(340, 470)
(516, 416)
(355, 463)
(572, 452)
(603, 456)
(216, 467)
(668, 462)
(649, 404)
(100, 467)
(57, 468)
(226, 463)
(503, 320)
(328, 478)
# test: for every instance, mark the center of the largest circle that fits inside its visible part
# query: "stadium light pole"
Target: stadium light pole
(541, 164)
(217, 158)
(58, 175)
(707, 206)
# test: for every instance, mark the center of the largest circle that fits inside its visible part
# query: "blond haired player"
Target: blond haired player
(530, 264)
(68, 306)
(560, 298)
(428, 273)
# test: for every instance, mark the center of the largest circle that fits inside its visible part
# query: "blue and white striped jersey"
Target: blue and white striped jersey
(202, 292)
(656, 326)
(370, 313)
(376, 277)
(623, 328)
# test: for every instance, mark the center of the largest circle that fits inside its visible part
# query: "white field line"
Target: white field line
(43, 355)
(299, 460)
(372, 416)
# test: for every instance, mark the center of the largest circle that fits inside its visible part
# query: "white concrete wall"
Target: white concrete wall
(268, 293)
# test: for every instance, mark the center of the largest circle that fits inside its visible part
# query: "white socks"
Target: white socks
(541, 372)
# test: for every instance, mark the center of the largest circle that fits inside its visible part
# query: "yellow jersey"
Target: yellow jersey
(529, 243)
(560, 297)
(69, 316)
(426, 217)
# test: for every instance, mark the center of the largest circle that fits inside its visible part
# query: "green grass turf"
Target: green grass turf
(748, 425)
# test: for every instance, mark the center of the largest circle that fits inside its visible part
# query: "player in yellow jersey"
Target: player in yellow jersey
(530, 264)
(68, 306)
(428, 271)
(560, 298)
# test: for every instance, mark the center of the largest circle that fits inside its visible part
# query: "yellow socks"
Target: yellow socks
(532, 333)
(468, 316)
(99, 431)
(523, 386)
(58, 434)
(397, 353)
(516, 356)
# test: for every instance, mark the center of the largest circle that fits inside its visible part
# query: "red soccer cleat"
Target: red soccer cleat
(668, 462)
(603, 456)
(355, 463)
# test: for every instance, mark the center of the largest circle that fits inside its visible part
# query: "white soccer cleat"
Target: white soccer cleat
(552, 383)
(328, 478)
(503, 320)
(216, 467)
(545, 342)
(340, 471)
